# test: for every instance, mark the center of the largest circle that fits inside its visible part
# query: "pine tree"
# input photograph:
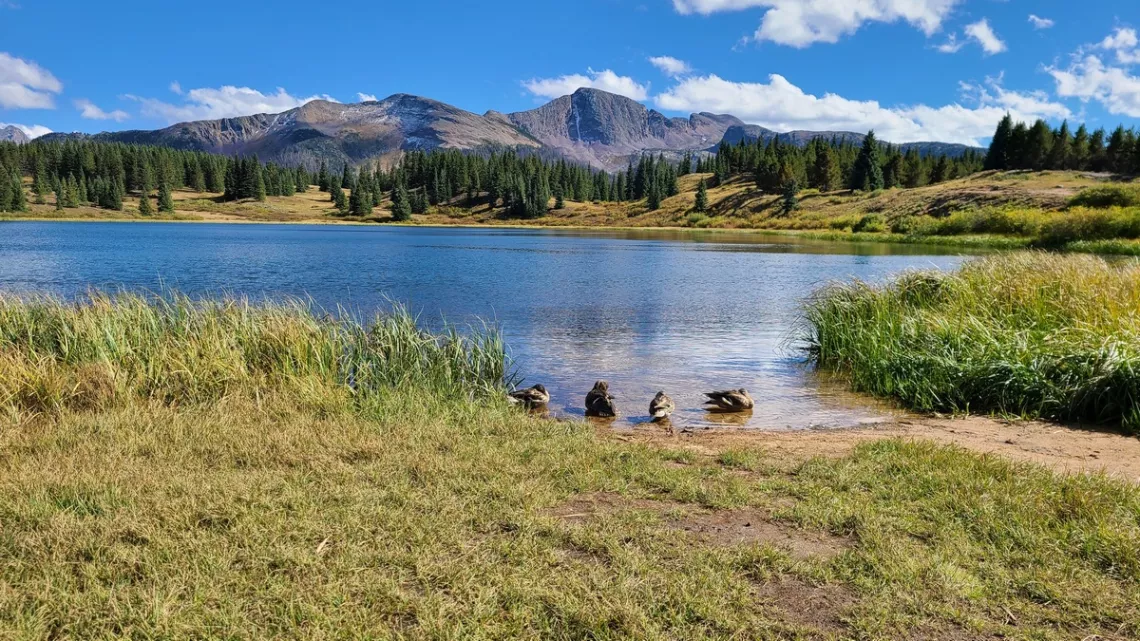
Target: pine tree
(790, 202)
(165, 198)
(346, 178)
(339, 200)
(1060, 152)
(145, 207)
(998, 155)
(868, 174)
(323, 177)
(1079, 154)
(653, 197)
(701, 203)
(401, 204)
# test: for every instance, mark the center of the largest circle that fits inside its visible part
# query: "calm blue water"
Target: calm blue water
(674, 311)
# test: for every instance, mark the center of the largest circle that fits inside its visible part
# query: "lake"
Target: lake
(683, 312)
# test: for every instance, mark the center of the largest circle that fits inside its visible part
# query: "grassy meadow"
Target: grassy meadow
(1057, 210)
(181, 469)
(1028, 334)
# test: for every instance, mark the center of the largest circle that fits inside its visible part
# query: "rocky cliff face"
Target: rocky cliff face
(604, 129)
(13, 134)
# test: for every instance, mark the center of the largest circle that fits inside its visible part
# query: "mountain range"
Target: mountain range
(590, 126)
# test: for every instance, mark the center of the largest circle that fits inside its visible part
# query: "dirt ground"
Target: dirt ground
(1067, 449)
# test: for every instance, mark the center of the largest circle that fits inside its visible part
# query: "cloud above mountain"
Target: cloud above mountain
(780, 105)
(606, 80)
(228, 101)
(26, 85)
(801, 23)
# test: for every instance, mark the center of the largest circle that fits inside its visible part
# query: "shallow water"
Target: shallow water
(682, 312)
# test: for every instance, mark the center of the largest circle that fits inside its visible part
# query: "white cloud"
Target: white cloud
(605, 80)
(671, 66)
(800, 23)
(782, 106)
(1039, 22)
(952, 44)
(1088, 78)
(366, 97)
(91, 111)
(26, 85)
(981, 32)
(223, 102)
(33, 131)
(175, 87)
(1125, 43)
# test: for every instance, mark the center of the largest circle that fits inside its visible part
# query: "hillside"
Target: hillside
(590, 126)
(1003, 209)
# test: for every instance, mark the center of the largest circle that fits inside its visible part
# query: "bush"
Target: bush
(871, 223)
(1089, 225)
(1107, 196)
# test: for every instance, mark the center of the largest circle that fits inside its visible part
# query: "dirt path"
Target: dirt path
(1065, 449)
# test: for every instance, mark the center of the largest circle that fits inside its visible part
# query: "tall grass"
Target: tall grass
(107, 349)
(1033, 334)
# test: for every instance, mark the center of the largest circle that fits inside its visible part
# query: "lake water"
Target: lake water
(676, 311)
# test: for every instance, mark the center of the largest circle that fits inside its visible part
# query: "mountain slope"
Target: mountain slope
(751, 133)
(605, 130)
(338, 133)
(590, 126)
(13, 134)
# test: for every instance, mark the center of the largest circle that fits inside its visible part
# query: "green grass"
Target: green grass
(1031, 334)
(224, 482)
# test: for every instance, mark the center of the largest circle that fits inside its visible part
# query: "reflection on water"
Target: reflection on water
(683, 312)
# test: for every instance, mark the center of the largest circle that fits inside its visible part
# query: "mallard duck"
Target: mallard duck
(661, 407)
(531, 396)
(599, 401)
(733, 400)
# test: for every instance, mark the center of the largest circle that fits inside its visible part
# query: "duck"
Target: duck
(661, 407)
(531, 396)
(733, 400)
(599, 401)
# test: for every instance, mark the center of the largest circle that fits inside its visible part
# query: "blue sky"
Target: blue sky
(911, 69)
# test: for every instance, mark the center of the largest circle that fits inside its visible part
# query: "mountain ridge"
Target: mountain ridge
(589, 126)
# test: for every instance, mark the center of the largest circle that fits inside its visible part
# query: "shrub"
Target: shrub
(871, 223)
(1107, 196)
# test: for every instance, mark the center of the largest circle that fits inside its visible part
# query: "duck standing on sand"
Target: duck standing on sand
(599, 401)
(530, 397)
(661, 407)
(733, 400)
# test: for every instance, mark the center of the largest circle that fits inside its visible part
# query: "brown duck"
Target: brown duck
(599, 401)
(733, 400)
(531, 396)
(661, 407)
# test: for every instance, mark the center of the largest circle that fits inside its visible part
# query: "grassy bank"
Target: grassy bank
(1030, 334)
(1062, 210)
(179, 470)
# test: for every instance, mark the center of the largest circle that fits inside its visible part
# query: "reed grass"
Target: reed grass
(1028, 334)
(109, 349)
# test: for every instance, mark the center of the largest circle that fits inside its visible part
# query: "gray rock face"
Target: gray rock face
(605, 130)
(13, 134)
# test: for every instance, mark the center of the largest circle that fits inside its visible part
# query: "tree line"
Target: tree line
(1038, 146)
(101, 174)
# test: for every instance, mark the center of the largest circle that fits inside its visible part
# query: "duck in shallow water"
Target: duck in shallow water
(531, 396)
(599, 401)
(733, 400)
(661, 407)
